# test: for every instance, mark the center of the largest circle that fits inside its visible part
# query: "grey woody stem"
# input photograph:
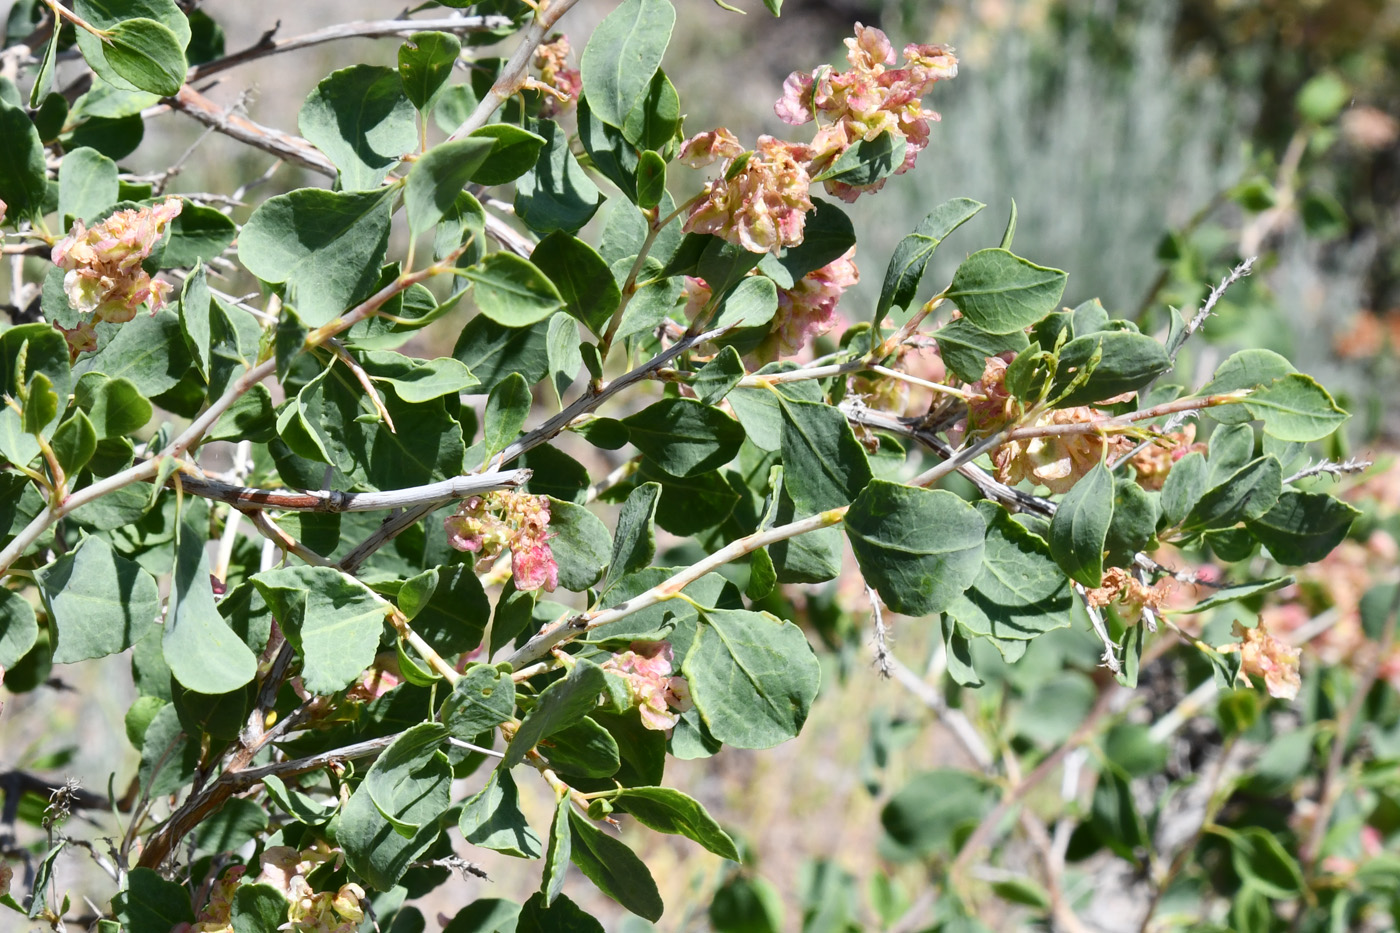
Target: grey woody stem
(371, 29)
(290, 500)
(569, 628)
(511, 80)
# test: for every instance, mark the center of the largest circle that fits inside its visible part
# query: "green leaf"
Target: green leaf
(169, 756)
(326, 246)
(257, 908)
(482, 699)
(363, 121)
(622, 55)
(750, 304)
(584, 749)
(560, 705)
(492, 819)
(1245, 496)
(827, 235)
(581, 545)
(1239, 591)
(930, 814)
(1243, 370)
(23, 180)
(45, 351)
(512, 291)
(537, 916)
(868, 161)
(105, 14)
(493, 351)
(237, 822)
(149, 350)
(557, 193)
(416, 380)
(374, 849)
(753, 677)
(656, 117)
(19, 629)
(1134, 522)
(438, 176)
(911, 256)
(684, 437)
(425, 65)
(390, 781)
(634, 543)
(670, 811)
(1261, 861)
(651, 179)
(197, 234)
(334, 622)
(745, 904)
(582, 278)
(1000, 292)
(915, 571)
(87, 185)
(556, 855)
(1181, 490)
(565, 355)
(716, 378)
(1079, 530)
(203, 653)
(614, 868)
(824, 466)
(1302, 527)
(298, 805)
(41, 408)
(43, 80)
(487, 915)
(506, 410)
(1127, 361)
(196, 318)
(1115, 815)
(99, 602)
(965, 347)
(1295, 408)
(447, 606)
(147, 54)
(150, 904)
(513, 153)
(1020, 592)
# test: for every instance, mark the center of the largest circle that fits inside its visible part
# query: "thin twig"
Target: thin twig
(1330, 467)
(512, 76)
(371, 29)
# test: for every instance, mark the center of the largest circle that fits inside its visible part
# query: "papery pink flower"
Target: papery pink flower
(561, 83)
(808, 309)
(1263, 655)
(761, 202)
(217, 914)
(487, 525)
(704, 148)
(867, 101)
(104, 276)
(646, 666)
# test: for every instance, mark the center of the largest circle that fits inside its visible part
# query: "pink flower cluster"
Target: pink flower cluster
(805, 311)
(646, 667)
(104, 276)
(487, 525)
(1263, 655)
(760, 202)
(867, 101)
(558, 81)
(285, 868)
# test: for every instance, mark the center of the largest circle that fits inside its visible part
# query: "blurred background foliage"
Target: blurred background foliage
(1149, 146)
